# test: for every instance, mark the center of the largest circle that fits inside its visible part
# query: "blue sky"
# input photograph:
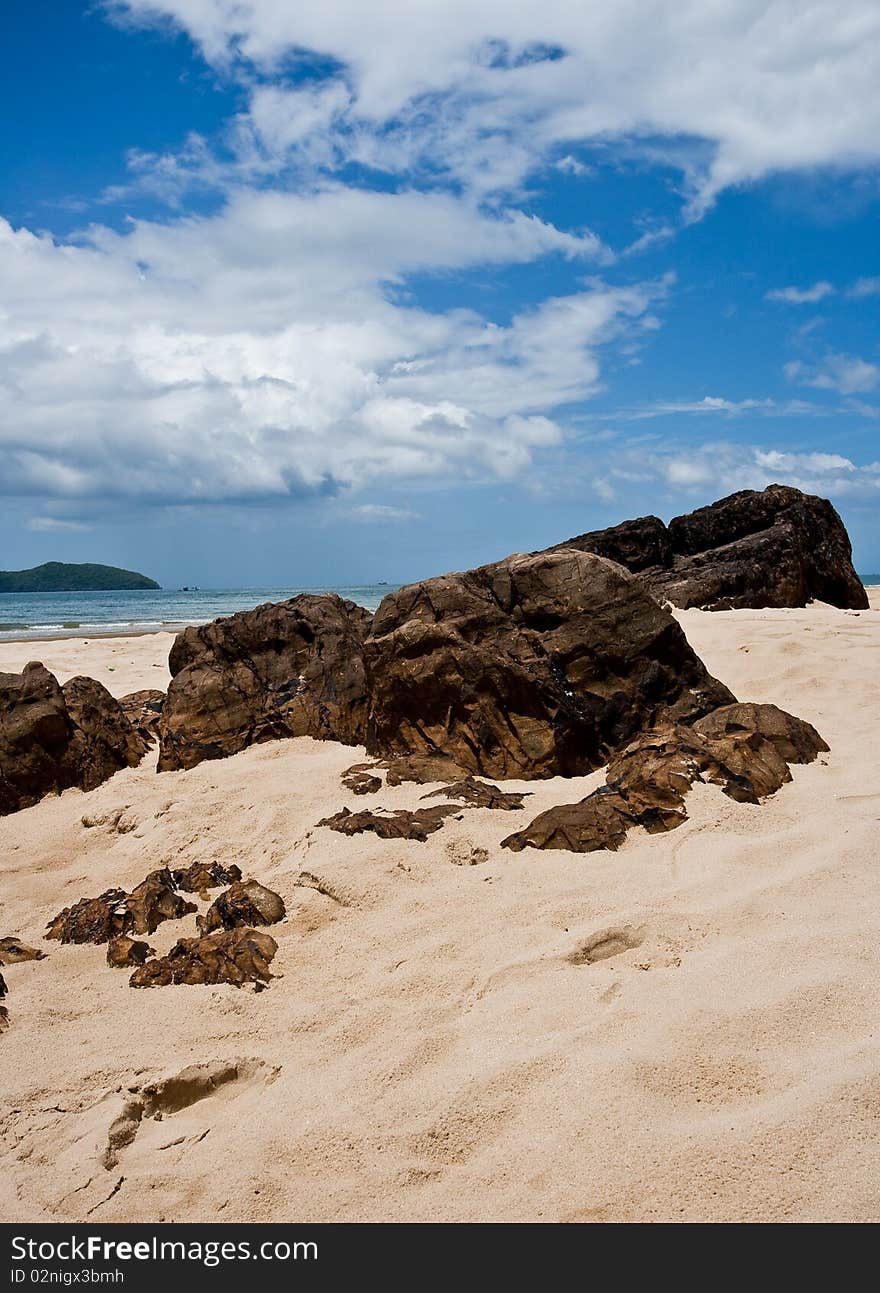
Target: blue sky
(330, 293)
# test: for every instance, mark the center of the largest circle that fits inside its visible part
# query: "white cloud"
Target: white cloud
(55, 525)
(708, 404)
(569, 165)
(383, 512)
(846, 374)
(801, 295)
(485, 91)
(716, 468)
(270, 350)
(865, 287)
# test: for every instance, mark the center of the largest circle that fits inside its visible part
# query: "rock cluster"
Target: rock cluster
(115, 912)
(53, 738)
(229, 951)
(774, 547)
(745, 749)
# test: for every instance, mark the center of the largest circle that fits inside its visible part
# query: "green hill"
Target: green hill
(59, 577)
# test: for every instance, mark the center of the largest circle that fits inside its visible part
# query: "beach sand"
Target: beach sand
(431, 1049)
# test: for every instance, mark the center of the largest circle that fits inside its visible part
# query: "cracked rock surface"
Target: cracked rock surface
(536, 666)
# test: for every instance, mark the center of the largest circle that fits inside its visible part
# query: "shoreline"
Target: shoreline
(75, 636)
(175, 627)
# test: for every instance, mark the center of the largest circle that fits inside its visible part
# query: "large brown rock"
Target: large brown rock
(537, 666)
(53, 737)
(745, 749)
(293, 668)
(103, 740)
(774, 547)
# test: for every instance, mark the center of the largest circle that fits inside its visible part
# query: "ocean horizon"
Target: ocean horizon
(24, 616)
(77, 614)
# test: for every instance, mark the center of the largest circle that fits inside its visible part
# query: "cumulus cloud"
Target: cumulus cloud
(846, 374)
(270, 350)
(486, 92)
(716, 468)
(801, 295)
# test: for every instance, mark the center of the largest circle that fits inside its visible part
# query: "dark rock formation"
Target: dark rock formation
(745, 749)
(533, 667)
(643, 544)
(199, 877)
(143, 710)
(53, 738)
(402, 824)
(154, 901)
(92, 920)
(776, 547)
(360, 781)
(794, 739)
(12, 951)
(479, 794)
(115, 912)
(247, 902)
(290, 669)
(124, 953)
(4, 1012)
(235, 956)
(103, 739)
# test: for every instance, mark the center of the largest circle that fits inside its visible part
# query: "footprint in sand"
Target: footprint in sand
(605, 944)
(170, 1095)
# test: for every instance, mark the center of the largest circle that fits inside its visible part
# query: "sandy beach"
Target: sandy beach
(432, 1049)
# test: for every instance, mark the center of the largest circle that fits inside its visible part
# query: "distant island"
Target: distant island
(61, 577)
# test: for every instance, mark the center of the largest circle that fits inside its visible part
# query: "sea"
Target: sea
(60, 615)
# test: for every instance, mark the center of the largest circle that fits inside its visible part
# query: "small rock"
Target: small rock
(124, 952)
(201, 876)
(360, 781)
(479, 794)
(12, 950)
(402, 824)
(247, 902)
(235, 956)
